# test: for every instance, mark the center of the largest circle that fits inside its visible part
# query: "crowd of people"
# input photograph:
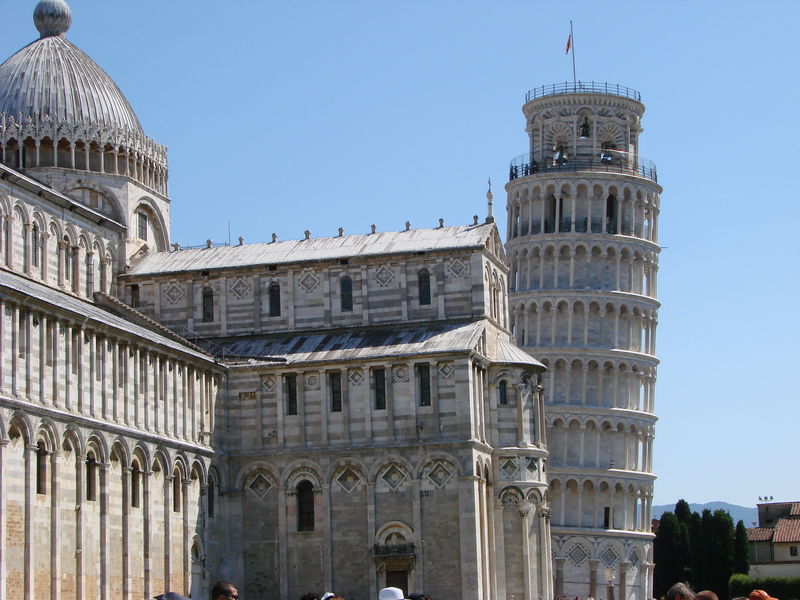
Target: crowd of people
(224, 590)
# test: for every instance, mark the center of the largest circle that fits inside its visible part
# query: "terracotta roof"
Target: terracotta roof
(787, 530)
(759, 534)
(795, 511)
(314, 249)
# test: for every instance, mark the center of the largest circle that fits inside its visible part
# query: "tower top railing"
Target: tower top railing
(607, 161)
(583, 87)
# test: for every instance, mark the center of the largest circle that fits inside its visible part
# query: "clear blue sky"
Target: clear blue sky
(293, 115)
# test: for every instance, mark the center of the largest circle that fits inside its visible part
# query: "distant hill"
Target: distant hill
(745, 513)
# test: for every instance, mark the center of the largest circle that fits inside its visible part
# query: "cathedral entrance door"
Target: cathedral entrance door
(398, 579)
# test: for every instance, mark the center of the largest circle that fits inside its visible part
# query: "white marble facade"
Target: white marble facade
(284, 415)
(583, 209)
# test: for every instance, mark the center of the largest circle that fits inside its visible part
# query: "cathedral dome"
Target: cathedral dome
(58, 108)
(53, 78)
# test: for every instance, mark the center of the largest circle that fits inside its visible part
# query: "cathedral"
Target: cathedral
(342, 413)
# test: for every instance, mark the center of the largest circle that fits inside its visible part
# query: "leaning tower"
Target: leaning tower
(583, 245)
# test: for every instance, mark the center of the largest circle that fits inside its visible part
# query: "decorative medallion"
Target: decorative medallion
(240, 288)
(355, 376)
(384, 276)
(348, 480)
(268, 383)
(439, 475)
(394, 477)
(309, 281)
(609, 557)
(457, 268)
(446, 370)
(260, 485)
(312, 381)
(400, 374)
(509, 468)
(174, 293)
(577, 555)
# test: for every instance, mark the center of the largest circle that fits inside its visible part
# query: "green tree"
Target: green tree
(682, 511)
(720, 553)
(741, 549)
(666, 546)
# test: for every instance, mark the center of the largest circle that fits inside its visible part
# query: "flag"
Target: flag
(569, 43)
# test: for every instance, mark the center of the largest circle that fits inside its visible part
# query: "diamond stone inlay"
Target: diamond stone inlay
(634, 559)
(393, 477)
(348, 479)
(509, 468)
(609, 557)
(239, 288)
(457, 268)
(269, 383)
(260, 485)
(356, 377)
(174, 293)
(446, 369)
(577, 555)
(384, 276)
(309, 281)
(439, 475)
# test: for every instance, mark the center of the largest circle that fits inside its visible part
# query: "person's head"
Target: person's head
(391, 593)
(223, 590)
(706, 595)
(679, 591)
(760, 595)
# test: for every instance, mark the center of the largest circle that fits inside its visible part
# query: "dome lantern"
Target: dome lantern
(52, 17)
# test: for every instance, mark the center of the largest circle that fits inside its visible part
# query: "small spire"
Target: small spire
(274, 237)
(308, 234)
(52, 17)
(489, 204)
(474, 219)
(408, 225)
(374, 228)
(441, 223)
(241, 240)
(341, 231)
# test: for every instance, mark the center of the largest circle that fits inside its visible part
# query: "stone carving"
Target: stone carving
(355, 377)
(509, 468)
(394, 477)
(446, 370)
(400, 374)
(174, 293)
(457, 268)
(348, 480)
(309, 281)
(268, 383)
(311, 381)
(240, 288)
(577, 555)
(384, 276)
(609, 557)
(260, 486)
(439, 474)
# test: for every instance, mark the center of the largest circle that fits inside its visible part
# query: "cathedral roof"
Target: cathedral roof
(316, 249)
(375, 342)
(52, 79)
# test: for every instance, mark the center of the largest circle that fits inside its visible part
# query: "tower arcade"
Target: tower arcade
(582, 242)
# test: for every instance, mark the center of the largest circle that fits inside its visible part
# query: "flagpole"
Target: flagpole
(572, 37)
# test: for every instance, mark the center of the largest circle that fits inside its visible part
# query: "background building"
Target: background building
(582, 242)
(774, 543)
(330, 413)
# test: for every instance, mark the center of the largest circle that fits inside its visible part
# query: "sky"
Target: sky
(282, 116)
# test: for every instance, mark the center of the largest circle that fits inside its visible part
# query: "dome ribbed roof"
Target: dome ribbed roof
(53, 77)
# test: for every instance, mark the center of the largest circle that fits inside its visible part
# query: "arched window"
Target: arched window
(41, 468)
(91, 477)
(208, 305)
(67, 259)
(305, 506)
(502, 393)
(211, 496)
(177, 488)
(424, 279)
(35, 245)
(274, 299)
(611, 214)
(346, 292)
(136, 485)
